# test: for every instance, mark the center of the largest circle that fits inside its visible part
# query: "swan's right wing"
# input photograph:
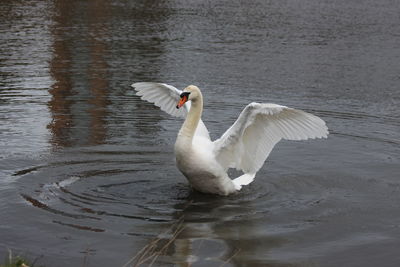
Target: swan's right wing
(166, 97)
(248, 142)
(162, 95)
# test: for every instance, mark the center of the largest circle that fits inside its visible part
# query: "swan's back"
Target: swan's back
(202, 131)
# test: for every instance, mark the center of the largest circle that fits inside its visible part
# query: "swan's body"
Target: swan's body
(244, 146)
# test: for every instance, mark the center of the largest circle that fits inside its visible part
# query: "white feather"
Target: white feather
(166, 97)
(248, 142)
(244, 146)
(162, 95)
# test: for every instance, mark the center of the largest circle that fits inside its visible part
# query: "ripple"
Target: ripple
(43, 206)
(80, 227)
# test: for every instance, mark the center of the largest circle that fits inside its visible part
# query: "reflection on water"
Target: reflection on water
(60, 69)
(98, 83)
(85, 165)
(69, 96)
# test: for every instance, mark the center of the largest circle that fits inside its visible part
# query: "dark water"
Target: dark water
(87, 174)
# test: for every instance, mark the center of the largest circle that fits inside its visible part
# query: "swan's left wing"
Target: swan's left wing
(162, 95)
(248, 142)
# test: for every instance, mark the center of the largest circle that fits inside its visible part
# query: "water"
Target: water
(87, 174)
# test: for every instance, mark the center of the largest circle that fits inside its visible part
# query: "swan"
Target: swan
(244, 146)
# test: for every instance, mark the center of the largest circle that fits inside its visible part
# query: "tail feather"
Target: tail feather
(244, 179)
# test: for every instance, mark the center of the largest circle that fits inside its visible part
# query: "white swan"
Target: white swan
(244, 146)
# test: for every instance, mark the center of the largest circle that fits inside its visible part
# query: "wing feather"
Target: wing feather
(248, 142)
(165, 97)
(162, 95)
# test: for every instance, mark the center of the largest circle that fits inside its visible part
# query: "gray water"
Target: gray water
(87, 173)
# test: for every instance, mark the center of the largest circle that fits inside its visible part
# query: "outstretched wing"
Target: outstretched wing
(162, 95)
(248, 142)
(166, 97)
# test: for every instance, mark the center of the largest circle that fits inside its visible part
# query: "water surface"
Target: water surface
(87, 173)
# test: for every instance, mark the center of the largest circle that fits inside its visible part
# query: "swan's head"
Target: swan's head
(191, 93)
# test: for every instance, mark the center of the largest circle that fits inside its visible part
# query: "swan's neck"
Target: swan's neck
(192, 120)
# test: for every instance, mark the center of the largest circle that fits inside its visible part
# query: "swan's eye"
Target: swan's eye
(185, 94)
(184, 98)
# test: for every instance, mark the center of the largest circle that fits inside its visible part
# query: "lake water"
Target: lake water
(87, 172)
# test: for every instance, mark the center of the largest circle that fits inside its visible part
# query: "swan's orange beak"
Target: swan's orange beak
(183, 100)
